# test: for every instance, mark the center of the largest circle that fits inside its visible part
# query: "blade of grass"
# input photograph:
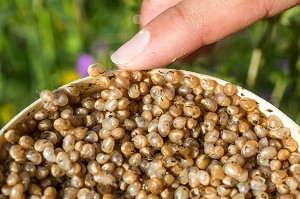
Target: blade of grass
(254, 67)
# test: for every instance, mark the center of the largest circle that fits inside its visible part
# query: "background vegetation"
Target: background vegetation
(43, 41)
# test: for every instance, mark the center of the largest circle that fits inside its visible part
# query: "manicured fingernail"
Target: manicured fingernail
(131, 49)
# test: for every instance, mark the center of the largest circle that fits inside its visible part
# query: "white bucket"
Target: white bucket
(88, 84)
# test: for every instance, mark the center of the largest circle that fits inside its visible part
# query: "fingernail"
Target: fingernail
(131, 49)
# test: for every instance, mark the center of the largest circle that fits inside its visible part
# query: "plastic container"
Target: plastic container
(88, 84)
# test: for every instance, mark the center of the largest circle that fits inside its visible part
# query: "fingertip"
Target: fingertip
(131, 49)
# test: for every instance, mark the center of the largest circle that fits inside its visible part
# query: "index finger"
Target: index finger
(152, 8)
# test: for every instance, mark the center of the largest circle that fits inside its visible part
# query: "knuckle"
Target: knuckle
(191, 20)
(267, 7)
(180, 15)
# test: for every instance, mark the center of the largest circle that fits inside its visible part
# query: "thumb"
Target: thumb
(189, 25)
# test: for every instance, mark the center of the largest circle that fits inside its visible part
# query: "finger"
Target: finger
(189, 25)
(151, 8)
(204, 50)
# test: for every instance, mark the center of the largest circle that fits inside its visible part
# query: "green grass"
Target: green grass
(40, 42)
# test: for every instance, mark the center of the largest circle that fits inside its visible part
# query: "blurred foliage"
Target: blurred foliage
(41, 41)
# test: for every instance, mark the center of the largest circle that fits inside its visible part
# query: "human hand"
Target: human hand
(172, 29)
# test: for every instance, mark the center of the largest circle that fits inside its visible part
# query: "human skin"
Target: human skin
(172, 29)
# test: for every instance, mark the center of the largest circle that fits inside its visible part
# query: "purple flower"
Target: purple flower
(283, 64)
(83, 63)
